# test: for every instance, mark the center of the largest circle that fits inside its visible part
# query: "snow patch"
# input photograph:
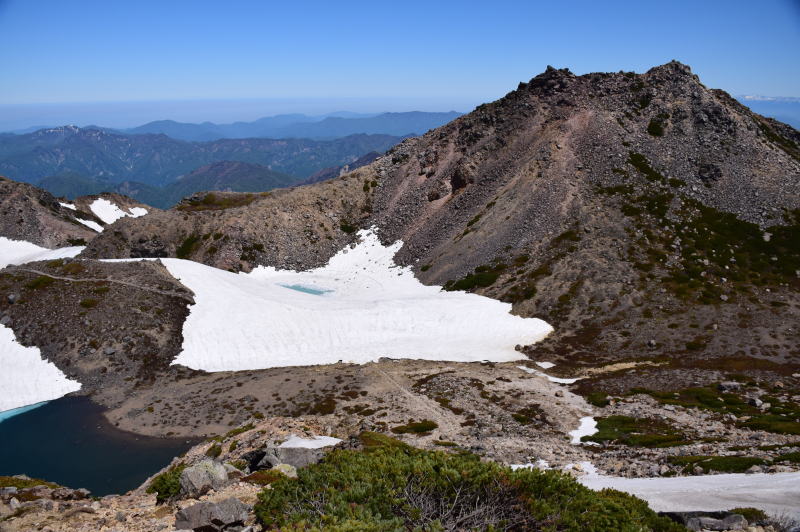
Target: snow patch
(68, 206)
(557, 380)
(774, 493)
(587, 427)
(317, 442)
(540, 464)
(26, 378)
(545, 365)
(375, 309)
(20, 252)
(110, 212)
(91, 224)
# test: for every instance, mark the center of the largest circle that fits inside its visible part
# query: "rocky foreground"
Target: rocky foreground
(215, 486)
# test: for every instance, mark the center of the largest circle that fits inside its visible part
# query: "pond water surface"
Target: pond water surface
(70, 442)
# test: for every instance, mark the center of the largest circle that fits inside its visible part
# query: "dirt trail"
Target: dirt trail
(106, 280)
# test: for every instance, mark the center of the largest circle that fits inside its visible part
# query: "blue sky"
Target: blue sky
(431, 54)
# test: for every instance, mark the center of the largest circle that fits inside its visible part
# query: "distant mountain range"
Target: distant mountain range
(73, 161)
(229, 176)
(302, 126)
(158, 162)
(320, 127)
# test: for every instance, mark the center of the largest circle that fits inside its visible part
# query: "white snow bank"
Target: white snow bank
(26, 378)
(110, 212)
(545, 365)
(20, 252)
(317, 442)
(557, 380)
(68, 205)
(774, 493)
(91, 224)
(587, 427)
(372, 309)
(540, 464)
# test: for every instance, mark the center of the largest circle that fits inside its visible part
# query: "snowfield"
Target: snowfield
(91, 224)
(587, 427)
(317, 442)
(775, 493)
(20, 252)
(110, 212)
(26, 378)
(358, 308)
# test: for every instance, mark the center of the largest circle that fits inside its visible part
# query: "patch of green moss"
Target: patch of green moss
(187, 247)
(721, 464)
(43, 281)
(416, 427)
(347, 227)
(636, 432)
(24, 483)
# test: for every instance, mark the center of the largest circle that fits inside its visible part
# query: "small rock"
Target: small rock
(728, 386)
(12, 298)
(14, 503)
(559, 393)
(753, 469)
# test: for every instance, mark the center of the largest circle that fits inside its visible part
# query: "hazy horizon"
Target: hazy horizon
(15, 117)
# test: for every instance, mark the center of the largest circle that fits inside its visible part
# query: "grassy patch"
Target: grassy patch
(780, 418)
(482, 277)
(187, 247)
(347, 227)
(43, 281)
(721, 464)
(23, 483)
(416, 427)
(213, 201)
(636, 432)
(89, 302)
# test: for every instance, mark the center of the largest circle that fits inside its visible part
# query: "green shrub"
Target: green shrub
(167, 485)
(655, 128)
(214, 451)
(348, 227)
(43, 281)
(419, 427)
(89, 302)
(598, 399)
(401, 488)
(188, 246)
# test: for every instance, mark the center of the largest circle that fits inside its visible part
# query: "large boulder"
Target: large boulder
(709, 520)
(202, 477)
(294, 456)
(229, 514)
